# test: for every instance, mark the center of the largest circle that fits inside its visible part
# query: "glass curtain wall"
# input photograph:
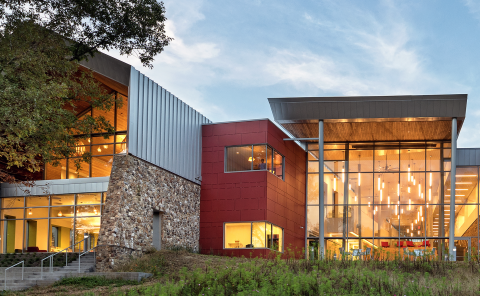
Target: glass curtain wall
(390, 195)
(102, 149)
(50, 223)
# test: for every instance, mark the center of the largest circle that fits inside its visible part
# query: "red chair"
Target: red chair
(385, 245)
(400, 244)
(410, 244)
(427, 243)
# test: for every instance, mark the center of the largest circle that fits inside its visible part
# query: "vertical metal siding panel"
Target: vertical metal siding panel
(183, 148)
(159, 118)
(171, 133)
(146, 97)
(139, 115)
(148, 128)
(152, 145)
(471, 160)
(190, 148)
(180, 155)
(153, 123)
(163, 144)
(167, 129)
(178, 135)
(196, 140)
(133, 111)
(174, 134)
(477, 157)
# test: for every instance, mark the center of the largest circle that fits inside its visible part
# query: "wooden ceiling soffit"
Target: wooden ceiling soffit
(374, 131)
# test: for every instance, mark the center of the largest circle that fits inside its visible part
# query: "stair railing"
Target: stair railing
(66, 257)
(86, 252)
(23, 267)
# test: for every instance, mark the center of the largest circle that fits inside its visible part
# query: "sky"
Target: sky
(228, 57)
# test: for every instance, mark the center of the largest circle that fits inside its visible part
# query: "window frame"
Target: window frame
(251, 228)
(251, 166)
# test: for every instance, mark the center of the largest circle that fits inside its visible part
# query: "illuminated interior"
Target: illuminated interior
(385, 195)
(102, 149)
(253, 235)
(254, 158)
(50, 223)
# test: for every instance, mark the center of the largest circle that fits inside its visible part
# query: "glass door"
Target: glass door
(463, 246)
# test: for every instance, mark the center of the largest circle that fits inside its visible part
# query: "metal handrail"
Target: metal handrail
(88, 251)
(23, 268)
(51, 257)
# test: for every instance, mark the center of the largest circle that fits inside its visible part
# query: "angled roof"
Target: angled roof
(346, 117)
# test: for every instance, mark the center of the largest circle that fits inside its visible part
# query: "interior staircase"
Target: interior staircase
(32, 276)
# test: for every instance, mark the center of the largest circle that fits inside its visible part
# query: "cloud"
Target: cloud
(473, 7)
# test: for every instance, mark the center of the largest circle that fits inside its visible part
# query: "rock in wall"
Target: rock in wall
(137, 189)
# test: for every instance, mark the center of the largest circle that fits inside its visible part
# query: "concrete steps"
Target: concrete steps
(33, 276)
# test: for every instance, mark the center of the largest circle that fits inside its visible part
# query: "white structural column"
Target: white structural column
(453, 173)
(321, 206)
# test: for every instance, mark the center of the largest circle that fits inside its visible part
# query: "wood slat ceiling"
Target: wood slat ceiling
(374, 131)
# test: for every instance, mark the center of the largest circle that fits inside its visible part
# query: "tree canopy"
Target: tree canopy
(41, 45)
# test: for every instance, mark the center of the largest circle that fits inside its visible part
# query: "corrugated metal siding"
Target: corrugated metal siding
(162, 129)
(468, 156)
(82, 185)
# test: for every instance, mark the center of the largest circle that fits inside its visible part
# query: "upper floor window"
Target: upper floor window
(254, 158)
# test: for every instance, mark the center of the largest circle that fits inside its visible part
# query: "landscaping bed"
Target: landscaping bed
(33, 259)
(185, 273)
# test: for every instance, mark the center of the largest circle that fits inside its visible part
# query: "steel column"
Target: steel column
(453, 173)
(321, 206)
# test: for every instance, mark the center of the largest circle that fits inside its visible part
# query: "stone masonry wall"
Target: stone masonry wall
(137, 189)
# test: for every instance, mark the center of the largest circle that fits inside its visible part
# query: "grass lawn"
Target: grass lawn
(183, 273)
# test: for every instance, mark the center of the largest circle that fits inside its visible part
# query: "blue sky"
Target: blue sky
(228, 57)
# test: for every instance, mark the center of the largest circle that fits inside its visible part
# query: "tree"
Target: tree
(41, 45)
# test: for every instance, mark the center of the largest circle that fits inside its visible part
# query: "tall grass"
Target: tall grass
(276, 276)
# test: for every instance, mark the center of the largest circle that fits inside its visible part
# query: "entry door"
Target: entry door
(463, 246)
(157, 230)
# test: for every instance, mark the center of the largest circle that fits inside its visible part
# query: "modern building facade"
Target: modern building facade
(149, 169)
(331, 173)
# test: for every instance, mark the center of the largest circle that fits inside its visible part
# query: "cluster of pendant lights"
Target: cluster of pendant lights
(381, 186)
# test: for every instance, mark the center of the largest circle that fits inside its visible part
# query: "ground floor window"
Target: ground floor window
(249, 235)
(50, 223)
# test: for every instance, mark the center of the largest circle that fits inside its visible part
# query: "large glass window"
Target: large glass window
(49, 223)
(254, 158)
(102, 148)
(249, 235)
(386, 195)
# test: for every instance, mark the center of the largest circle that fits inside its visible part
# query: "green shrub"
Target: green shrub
(93, 281)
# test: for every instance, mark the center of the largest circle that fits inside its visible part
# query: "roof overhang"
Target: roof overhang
(371, 118)
(110, 71)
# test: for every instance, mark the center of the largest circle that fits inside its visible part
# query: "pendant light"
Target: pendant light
(30, 212)
(59, 214)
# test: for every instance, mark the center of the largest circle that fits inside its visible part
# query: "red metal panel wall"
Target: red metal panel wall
(249, 196)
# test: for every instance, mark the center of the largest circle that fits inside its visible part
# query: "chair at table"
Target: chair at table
(417, 253)
(400, 244)
(367, 253)
(385, 245)
(343, 253)
(410, 244)
(356, 253)
(407, 253)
